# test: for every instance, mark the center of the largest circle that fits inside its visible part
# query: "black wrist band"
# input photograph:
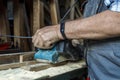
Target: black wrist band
(62, 29)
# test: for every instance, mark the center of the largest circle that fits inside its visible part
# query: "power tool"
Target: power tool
(62, 51)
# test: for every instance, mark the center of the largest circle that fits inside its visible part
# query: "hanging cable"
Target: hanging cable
(12, 36)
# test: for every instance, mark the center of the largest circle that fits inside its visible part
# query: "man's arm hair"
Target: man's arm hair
(100, 26)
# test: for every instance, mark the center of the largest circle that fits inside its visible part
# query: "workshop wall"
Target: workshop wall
(24, 17)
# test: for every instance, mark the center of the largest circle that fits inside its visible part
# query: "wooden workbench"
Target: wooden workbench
(62, 72)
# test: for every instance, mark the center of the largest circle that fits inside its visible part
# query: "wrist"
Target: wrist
(59, 33)
(62, 30)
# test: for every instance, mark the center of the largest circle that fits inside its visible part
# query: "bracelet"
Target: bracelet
(62, 29)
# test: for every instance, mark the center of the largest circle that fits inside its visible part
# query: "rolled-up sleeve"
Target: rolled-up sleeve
(113, 5)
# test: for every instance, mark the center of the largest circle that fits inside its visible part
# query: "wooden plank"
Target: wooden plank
(26, 30)
(19, 53)
(36, 15)
(28, 13)
(72, 12)
(42, 66)
(29, 7)
(42, 14)
(67, 4)
(21, 59)
(58, 10)
(15, 57)
(66, 72)
(37, 67)
(16, 65)
(18, 23)
(53, 12)
(78, 12)
(4, 24)
(9, 51)
(21, 27)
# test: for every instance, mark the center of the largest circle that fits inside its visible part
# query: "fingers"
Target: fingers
(35, 36)
(45, 38)
(38, 41)
(48, 44)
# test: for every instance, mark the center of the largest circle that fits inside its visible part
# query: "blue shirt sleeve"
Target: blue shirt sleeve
(113, 5)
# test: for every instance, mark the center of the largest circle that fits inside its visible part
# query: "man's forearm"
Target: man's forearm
(100, 26)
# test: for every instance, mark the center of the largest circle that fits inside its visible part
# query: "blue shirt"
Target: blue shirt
(113, 5)
(103, 57)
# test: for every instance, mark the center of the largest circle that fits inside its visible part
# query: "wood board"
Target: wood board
(16, 57)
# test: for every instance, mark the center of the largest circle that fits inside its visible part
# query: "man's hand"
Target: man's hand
(46, 37)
